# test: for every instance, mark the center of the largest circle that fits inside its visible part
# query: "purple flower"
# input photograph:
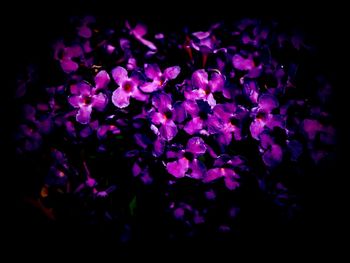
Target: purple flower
(104, 130)
(66, 56)
(164, 114)
(139, 31)
(84, 30)
(224, 167)
(203, 42)
(311, 128)
(89, 129)
(140, 169)
(187, 162)
(204, 87)
(128, 88)
(251, 90)
(242, 63)
(86, 97)
(272, 153)
(210, 195)
(158, 78)
(225, 122)
(264, 119)
(202, 121)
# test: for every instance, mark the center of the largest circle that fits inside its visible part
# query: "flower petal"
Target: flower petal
(157, 118)
(102, 79)
(241, 63)
(179, 213)
(275, 121)
(200, 79)
(168, 130)
(84, 32)
(172, 72)
(311, 128)
(178, 168)
(136, 169)
(162, 102)
(268, 102)
(83, 115)
(224, 111)
(273, 156)
(84, 89)
(158, 145)
(194, 126)
(138, 95)
(74, 101)
(119, 75)
(149, 87)
(231, 183)
(201, 34)
(86, 132)
(256, 128)
(216, 82)
(139, 30)
(224, 138)
(210, 99)
(179, 112)
(142, 140)
(213, 174)
(196, 145)
(152, 71)
(265, 140)
(99, 101)
(29, 112)
(73, 51)
(102, 131)
(69, 66)
(198, 169)
(148, 44)
(217, 173)
(120, 98)
(191, 107)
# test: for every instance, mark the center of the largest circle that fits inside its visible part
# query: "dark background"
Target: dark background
(28, 31)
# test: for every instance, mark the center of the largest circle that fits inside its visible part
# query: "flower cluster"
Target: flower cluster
(209, 110)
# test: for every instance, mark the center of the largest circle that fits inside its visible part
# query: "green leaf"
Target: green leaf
(132, 206)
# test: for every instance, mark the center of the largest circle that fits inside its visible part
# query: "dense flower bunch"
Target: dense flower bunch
(198, 114)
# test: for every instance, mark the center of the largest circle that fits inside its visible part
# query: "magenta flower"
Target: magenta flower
(264, 119)
(84, 30)
(203, 41)
(242, 63)
(187, 162)
(311, 128)
(159, 79)
(202, 120)
(226, 121)
(67, 56)
(86, 97)
(272, 153)
(225, 167)
(164, 114)
(128, 88)
(230, 102)
(204, 87)
(104, 130)
(139, 31)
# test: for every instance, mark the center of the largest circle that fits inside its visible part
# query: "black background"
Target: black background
(28, 31)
